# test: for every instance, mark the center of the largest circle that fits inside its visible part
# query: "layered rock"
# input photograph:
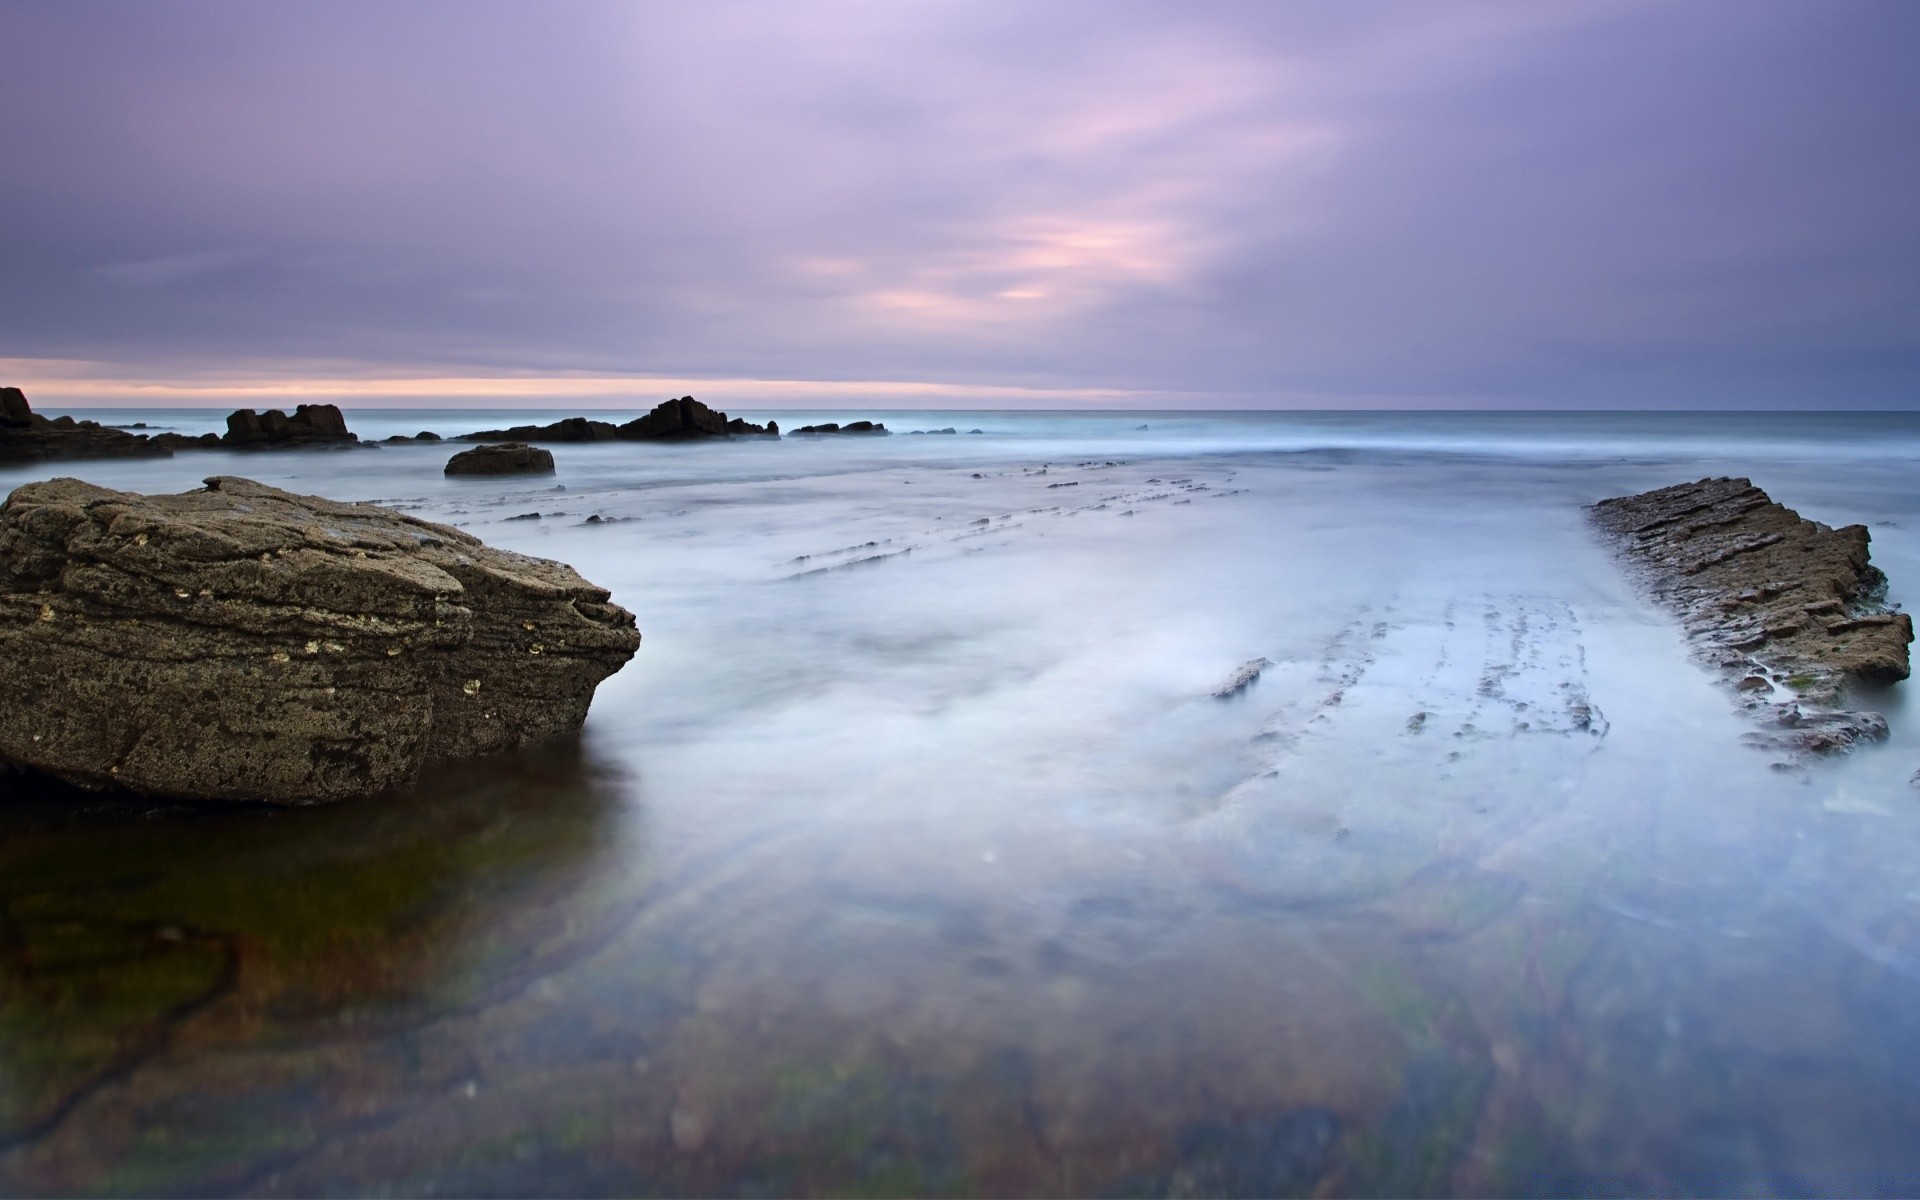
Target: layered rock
(674, 420)
(310, 425)
(26, 436)
(1791, 609)
(248, 644)
(508, 458)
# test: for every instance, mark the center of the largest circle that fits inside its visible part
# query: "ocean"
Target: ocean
(915, 854)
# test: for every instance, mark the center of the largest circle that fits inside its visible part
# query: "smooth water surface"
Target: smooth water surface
(913, 854)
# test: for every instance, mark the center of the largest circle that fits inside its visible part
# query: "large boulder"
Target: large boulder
(248, 644)
(310, 425)
(26, 436)
(508, 458)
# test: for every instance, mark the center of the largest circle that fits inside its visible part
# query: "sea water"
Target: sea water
(914, 853)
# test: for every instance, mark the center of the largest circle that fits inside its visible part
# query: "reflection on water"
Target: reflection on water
(914, 854)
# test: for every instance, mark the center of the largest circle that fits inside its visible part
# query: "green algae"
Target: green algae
(269, 927)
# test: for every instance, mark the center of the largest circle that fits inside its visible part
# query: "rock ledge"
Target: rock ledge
(245, 643)
(1789, 608)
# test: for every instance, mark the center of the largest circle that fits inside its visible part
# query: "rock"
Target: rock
(26, 436)
(677, 420)
(15, 412)
(1243, 678)
(508, 458)
(674, 420)
(310, 425)
(863, 427)
(572, 429)
(181, 441)
(1769, 596)
(248, 644)
(426, 435)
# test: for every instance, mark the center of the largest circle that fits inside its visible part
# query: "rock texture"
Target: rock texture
(1791, 609)
(244, 643)
(674, 420)
(310, 425)
(26, 436)
(508, 458)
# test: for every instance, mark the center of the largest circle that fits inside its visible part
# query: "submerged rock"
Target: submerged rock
(1790, 608)
(508, 458)
(26, 436)
(244, 643)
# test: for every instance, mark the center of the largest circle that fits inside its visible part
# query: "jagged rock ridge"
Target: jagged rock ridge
(672, 420)
(245, 643)
(1791, 609)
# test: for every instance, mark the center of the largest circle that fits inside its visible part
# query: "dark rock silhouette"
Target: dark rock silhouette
(870, 428)
(674, 420)
(310, 425)
(248, 644)
(509, 458)
(26, 436)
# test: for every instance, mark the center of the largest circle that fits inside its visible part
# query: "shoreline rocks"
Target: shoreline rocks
(1789, 609)
(26, 436)
(310, 425)
(673, 420)
(243, 643)
(507, 458)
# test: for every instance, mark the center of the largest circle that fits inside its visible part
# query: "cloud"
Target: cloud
(1642, 203)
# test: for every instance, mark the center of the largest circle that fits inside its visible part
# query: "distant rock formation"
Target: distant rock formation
(508, 458)
(26, 436)
(310, 425)
(1790, 608)
(856, 427)
(673, 420)
(248, 644)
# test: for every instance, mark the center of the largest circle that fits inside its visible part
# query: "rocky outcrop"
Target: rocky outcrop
(857, 427)
(509, 458)
(674, 420)
(26, 436)
(1789, 608)
(573, 429)
(248, 644)
(310, 425)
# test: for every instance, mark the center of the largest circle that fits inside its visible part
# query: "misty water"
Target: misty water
(914, 854)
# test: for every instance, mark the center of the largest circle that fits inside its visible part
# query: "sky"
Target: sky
(1057, 204)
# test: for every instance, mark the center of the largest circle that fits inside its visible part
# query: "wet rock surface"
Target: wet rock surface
(1791, 609)
(508, 458)
(248, 644)
(26, 436)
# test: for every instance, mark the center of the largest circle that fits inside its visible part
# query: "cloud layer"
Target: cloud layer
(1620, 204)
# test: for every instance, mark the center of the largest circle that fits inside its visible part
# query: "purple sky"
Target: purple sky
(1101, 204)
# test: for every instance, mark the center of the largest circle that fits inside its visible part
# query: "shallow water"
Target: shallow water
(913, 853)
